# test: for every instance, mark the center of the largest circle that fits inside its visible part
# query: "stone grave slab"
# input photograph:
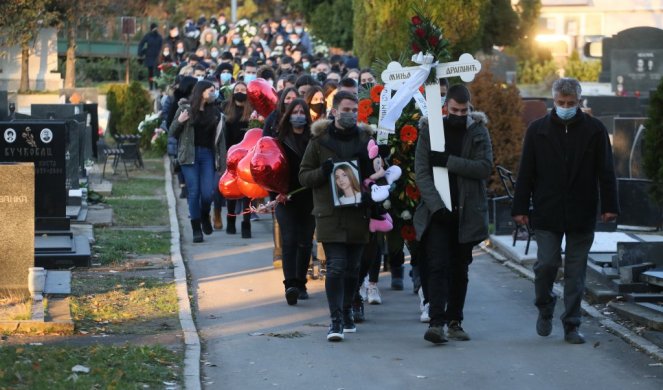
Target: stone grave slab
(17, 208)
(58, 282)
(4, 106)
(653, 276)
(632, 253)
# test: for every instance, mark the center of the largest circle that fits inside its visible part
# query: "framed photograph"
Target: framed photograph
(345, 184)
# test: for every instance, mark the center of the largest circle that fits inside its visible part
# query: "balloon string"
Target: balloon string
(266, 208)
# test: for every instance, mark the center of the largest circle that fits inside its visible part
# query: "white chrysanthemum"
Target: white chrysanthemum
(406, 215)
(386, 204)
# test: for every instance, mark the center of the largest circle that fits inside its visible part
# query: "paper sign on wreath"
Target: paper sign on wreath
(406, 82)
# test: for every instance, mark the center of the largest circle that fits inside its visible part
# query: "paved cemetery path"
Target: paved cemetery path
(254, 340)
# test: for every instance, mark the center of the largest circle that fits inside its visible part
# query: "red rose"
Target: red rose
(416, 48)
(433, 40)
(420, 32)
(416, 20)
(408, 233)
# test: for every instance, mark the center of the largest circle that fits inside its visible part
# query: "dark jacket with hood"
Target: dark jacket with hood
(566, 167)
(335, 224)
(302, 200)
(472, 168)
(150, 47)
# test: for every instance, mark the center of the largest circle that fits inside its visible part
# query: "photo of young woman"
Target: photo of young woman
(346, 185)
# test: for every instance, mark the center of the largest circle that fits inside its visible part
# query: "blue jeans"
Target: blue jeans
(342, 273)
(297, 226)
(199, 178)
(548, 261)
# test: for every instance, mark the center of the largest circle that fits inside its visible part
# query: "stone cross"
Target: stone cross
(407, 81)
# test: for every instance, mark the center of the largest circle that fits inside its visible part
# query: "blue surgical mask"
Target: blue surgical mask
(297, 120)
(226, 77)
(236, 41)
(215, 95)
(214, 54)
(306, 64)
(444, 99)
(200, 78)
(565, 113)
(249, 77)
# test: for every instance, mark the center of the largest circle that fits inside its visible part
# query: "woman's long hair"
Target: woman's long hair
(281, 105)
(197, 97)
(285, 127)
(235, 113)
(182, 91)
(354, 183)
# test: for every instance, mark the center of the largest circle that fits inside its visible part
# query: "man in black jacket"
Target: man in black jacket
(565, 168)
(150, 48)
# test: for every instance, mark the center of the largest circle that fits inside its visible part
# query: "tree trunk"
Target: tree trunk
(24, 86)
(70, 67)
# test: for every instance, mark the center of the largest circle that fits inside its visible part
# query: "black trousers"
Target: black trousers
(342, 273)
(444, 268)
(297, 227)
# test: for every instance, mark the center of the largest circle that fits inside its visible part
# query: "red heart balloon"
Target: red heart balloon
(228, 186)
(269, 167)
(262, 96)
(251, 190)
(239, 150)
(244, 166)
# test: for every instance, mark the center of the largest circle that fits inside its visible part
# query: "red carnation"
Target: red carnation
(416, 48)
(420, 32)
(433, 40)
(408, 233)
(416, 20)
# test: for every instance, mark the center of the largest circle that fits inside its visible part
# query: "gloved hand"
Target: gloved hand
(439, 159)
(327, 167)
(441, 215)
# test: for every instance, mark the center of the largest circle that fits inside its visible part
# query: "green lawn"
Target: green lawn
(114, 246)
(125, 367)
(139, 212)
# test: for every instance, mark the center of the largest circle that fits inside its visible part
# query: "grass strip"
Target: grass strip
(110, 367)
(114, 246)
(138, 187)
(139, 212)
(123, 305)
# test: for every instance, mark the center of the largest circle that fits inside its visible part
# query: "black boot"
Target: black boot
(197, 230)
(397, 278)
(206, 223)
(230, 225)
(246, 229)
(348, 321)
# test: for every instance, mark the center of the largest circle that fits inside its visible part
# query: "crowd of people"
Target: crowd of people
(315, 121)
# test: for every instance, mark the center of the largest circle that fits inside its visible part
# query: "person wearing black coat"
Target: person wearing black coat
(294, 213)
(566, 168)
(150, 48)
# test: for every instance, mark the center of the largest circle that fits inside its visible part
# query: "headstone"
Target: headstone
(501, 215)
(502, 65)
(43, 64)
(622, 106)
(17, 207)
(627, 139)
(4, 106)
(632, 60)
(93, 111)
(42, 143)
(633, 253)
(637, 207)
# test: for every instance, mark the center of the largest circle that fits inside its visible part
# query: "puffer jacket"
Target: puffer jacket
(472, 168)
(335, 224)
(184, 133)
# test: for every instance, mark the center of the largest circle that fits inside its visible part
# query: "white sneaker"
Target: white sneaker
(424, 314)
(420, 292)
(373, 294)
(363, 290)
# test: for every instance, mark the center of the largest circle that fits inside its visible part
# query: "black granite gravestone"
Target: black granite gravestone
(4, 106)
(637, 207)
(632, 60)
(627, 147)
(623, 106)
(43, 143)
(93, 111)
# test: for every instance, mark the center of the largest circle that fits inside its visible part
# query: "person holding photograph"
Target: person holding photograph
(343, 231)
(347, 185)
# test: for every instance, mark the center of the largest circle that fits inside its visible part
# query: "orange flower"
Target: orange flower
(408, 133)
(375, 93)
(408, 233)
(361, 118)
(365, 108)
(412, 192)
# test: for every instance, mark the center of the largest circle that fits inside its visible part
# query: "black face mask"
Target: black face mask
(318, 108)
(456, 121)
(239, 96)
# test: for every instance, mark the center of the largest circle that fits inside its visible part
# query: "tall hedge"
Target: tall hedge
(653, 144)
(128, 106)
(502, 105)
